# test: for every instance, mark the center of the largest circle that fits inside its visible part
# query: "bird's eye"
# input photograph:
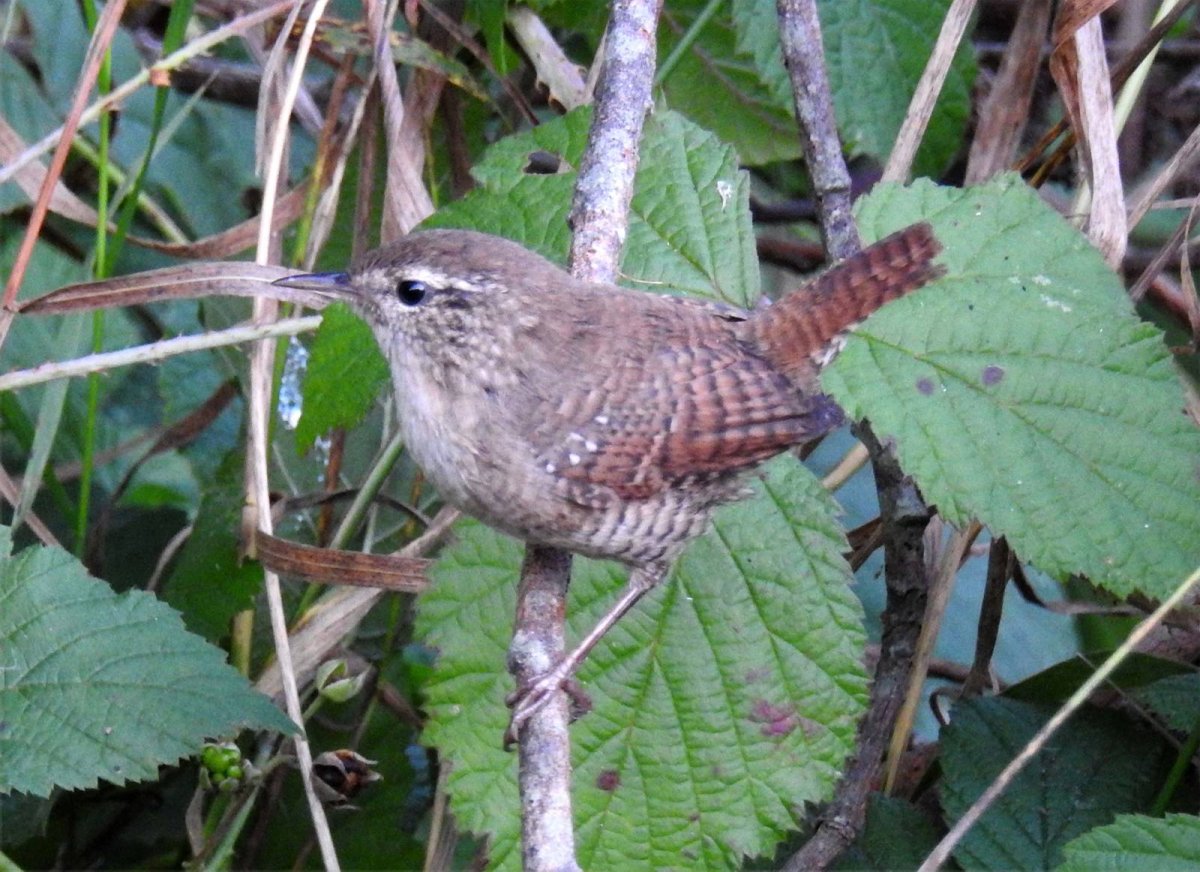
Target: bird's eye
(411, 292)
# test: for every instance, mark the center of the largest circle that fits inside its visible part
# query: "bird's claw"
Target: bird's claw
(526, 701)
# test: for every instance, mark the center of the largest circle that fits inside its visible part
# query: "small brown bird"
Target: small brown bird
(606, 421)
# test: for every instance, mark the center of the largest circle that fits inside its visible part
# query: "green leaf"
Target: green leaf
(896, 836)
(489, 15)
(718, 87)
(344, 375)
(100, 686)
(28, 113)
(514, 202)
(1176, 699)
(875, 52)
(689, 225)
(725, 701)
(1022, 389)
(733, 82)
(1097, 765)
(689, 222)
(1133, 843)
(210, 582)
(1056, 683)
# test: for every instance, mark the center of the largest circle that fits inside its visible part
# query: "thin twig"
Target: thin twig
(10, 492)
(931, 623)
(561, 76)
(599, 217)
(1182, 161)
(1000, 568)
(800, 36)
(903, 513)
(905, 517)
(106, 27)
(600, 209)
(406, 202)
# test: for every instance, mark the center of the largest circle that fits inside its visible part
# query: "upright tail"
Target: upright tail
(799, 333)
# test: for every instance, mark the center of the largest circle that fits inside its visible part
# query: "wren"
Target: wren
(606, 421)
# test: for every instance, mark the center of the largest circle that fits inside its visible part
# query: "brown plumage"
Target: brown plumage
(590, 417)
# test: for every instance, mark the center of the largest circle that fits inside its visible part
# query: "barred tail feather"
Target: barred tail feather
(798, 334)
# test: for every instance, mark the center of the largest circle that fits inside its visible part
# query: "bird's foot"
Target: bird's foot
(526, 701)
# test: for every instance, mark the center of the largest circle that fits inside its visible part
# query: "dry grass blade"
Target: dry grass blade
(238, 238)
(339, 611)
(1003, 116)
(920, 110)
(561, 76)
(1080, 69)
(1074, 14)
(406, 201)
(330, 162)
(155, 351)
(1120, 75)
(258, 498)
(106, 27)
(160, 69)
(1182, 161)
(31, 177)
(189, 282)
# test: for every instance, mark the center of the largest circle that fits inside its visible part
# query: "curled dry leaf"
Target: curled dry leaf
(191, 281)
(334, 566)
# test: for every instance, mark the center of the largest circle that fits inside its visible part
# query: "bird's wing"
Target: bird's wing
(691, 411)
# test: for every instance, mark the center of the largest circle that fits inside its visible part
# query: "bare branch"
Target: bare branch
(903, 513)
(599, 216)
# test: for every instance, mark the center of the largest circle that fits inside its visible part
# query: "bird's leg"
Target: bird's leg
(524, 701)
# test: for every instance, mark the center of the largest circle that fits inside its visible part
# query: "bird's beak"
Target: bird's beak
(330, 285)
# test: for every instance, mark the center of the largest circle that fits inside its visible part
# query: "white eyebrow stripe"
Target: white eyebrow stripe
(434, 278)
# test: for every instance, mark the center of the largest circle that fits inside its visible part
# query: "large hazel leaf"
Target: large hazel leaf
(1133, 843)
(1096, 766)
(689, 223)
(95, 685)
(1024, 390)
(725, 701)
